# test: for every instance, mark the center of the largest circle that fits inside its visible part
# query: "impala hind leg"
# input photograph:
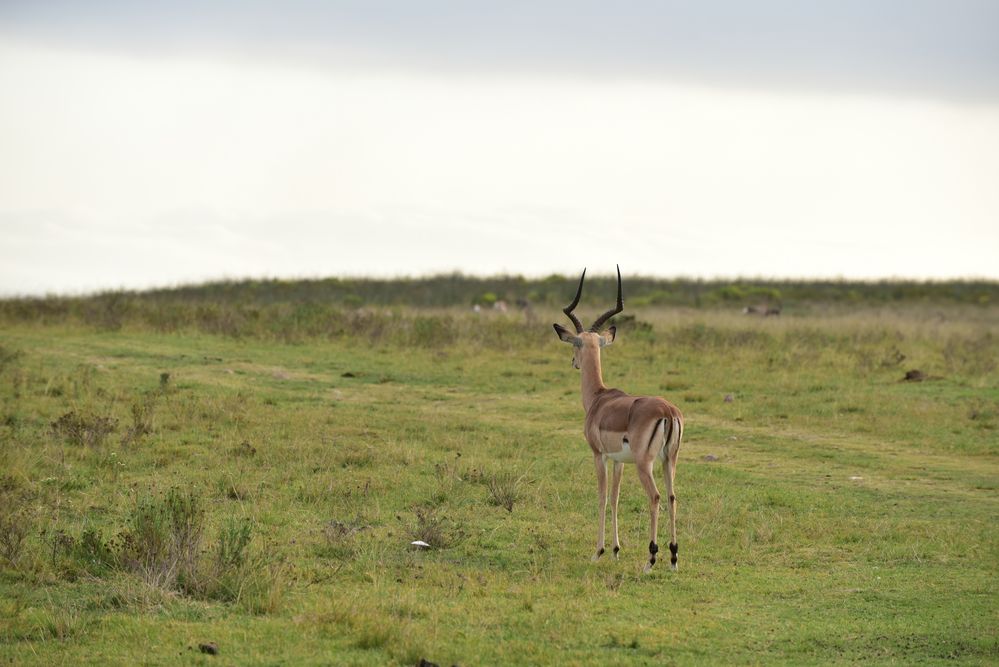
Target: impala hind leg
(615, 494)
(601, 467)
(669, 471)
(649, 484)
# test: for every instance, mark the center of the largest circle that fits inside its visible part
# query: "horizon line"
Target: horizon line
(430, 275)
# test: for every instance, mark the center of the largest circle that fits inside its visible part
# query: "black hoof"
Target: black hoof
(673, 548)
(653, 550)
(616, 550)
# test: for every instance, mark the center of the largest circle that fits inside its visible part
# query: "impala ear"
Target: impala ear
(566, 335)
(607, 337)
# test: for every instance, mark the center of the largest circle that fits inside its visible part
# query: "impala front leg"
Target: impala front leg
(601, 466)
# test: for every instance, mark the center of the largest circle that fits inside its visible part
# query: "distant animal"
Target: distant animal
(530, 317)
(621, 428)
(765, 311)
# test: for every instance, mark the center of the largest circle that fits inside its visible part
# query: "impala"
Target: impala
(622, 428)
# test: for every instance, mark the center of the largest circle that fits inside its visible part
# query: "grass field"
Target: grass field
(161, 491)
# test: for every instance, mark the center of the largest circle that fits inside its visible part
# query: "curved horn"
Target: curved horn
(613, 311)
(568, 309)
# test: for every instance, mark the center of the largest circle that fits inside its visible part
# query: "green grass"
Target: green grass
(829, 513)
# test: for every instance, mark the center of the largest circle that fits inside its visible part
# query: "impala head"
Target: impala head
(592, 339)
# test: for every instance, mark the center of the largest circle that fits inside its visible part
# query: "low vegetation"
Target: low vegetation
(246, 467)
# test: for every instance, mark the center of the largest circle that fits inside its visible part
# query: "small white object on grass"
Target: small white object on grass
(855, 478)
(419, 544)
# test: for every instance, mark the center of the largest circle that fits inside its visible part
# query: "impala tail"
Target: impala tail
(673, 435)
(670, 429)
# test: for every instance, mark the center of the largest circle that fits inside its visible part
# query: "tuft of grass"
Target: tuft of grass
(434, 528)
(141, 411)
(15, 525)
(504, 489)
(448, 475)
(244, 449)
(230, 488)
(339, 539)
(64, 624)
(231, 573)
(230, 550)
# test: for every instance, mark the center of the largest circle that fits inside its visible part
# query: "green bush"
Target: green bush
(84, 430)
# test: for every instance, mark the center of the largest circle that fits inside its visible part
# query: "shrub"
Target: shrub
(93, 552)
(163, 539)
(161, 545)
(84, 431)
(634, 327)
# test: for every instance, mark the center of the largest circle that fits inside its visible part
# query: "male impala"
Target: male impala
(623, 428)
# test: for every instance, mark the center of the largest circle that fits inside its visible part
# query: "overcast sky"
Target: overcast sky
(149, 145)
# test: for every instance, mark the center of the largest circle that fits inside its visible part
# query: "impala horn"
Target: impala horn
(572, 306)
(613, 311)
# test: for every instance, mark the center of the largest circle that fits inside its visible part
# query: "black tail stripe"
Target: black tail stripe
(667, 434)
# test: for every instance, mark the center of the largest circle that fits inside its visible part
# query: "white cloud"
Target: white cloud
(124, 171)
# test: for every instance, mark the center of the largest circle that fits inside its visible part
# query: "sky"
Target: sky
(148, 144)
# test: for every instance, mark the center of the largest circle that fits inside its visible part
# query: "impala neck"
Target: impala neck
(593, 381)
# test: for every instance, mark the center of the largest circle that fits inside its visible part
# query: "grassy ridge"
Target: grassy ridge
(422, 312)
(451, 290)
(460, 290)
(828, 512)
